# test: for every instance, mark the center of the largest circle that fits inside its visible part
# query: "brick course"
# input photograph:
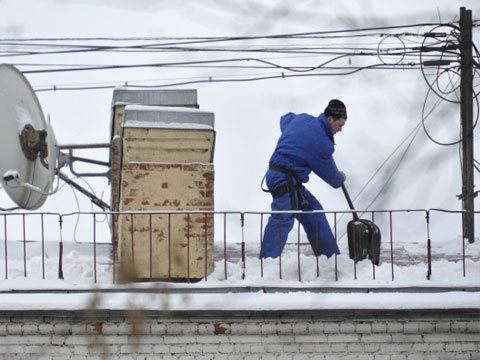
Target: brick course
(342, 334)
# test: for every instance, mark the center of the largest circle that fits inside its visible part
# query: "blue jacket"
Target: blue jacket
(306, 145)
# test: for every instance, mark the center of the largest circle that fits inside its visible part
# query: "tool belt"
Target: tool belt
(291, 186)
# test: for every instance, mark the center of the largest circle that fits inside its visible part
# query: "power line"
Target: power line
(312, 54)
(311, 34)
(180, 44)
(321, 46)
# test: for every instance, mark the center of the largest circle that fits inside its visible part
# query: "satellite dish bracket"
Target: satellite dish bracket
(69, 159)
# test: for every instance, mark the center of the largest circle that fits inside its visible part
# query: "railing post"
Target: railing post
(169, 246)
(298, 251)
(225, 245)
(60, 250)
(391, 244)
(188, 247)
(150, 244)
(373, 248)
(429, 246)
(94, 248)
(336, 243)
(6, 246)
(242, 224)
(280, 245)
(317, 244)
(114, 254)
(24, 247)
(205, 224)
(261, 243)
(43, 247)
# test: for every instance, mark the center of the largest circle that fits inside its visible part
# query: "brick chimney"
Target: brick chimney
(161, 161)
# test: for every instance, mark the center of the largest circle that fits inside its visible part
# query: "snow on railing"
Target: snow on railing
(418, 246)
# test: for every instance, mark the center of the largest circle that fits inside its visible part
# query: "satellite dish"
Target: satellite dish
(23, 142)
(52, 152)
(29, 155)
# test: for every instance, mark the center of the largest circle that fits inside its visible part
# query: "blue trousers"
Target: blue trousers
(316, 226)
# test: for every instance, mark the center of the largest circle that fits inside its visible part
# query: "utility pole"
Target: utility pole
(466, 115)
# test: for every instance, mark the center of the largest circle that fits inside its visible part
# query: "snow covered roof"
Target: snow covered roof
(167, 117)
(447, 289)
(163, 97)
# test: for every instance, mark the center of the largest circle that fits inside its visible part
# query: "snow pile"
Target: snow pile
(297, 267)
(252, 285)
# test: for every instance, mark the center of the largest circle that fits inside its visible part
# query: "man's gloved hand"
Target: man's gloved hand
(344, 176)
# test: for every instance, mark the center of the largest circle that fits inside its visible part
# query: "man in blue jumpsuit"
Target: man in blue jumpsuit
(305, 145)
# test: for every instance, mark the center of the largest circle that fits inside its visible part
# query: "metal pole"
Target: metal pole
(466, 114)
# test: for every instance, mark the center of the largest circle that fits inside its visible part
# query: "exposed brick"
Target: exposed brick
(284, 329)
(225, 348)
(459, 326)
(472, 327)
(330, 328)
(411, 327)
(379, 327)
(106, 329)
(256, 337)
(16, 349)
(80, 350)
(62, 329)
(414, 357)
(268, 329)
(420, 347)
(161, 349)
(10, 340)
(14, 329)
(364, 328)
(355, 348)
(426, 327)
(40, 349)
(406, 338)
(124, 328)
(439, 338)
(399, 357)
(158, 329)
(337, 347)
(29, 329)
(395, 327)
(442, 326)
(178, 349)
(128, 349)
(436, 347)
(343, 338)
(300, 328)
(203, 329)
(377, 338)
(80, 340)
(371, 348)
(255, 328)
(311, 339)
(207, 339)
(36, 340)
(347, 327)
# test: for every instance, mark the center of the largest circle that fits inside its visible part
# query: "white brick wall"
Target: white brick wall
(294, 336)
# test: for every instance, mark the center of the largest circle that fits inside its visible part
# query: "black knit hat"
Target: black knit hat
(336, 108)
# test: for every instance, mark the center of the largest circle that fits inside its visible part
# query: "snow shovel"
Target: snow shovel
(364, 237)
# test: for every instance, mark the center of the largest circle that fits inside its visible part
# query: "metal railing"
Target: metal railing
(35, 243)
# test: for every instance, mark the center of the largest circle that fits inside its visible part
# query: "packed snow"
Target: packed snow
(385, 108)
(291, 282)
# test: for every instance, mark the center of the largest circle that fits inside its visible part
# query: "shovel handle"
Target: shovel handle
(349, 200)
